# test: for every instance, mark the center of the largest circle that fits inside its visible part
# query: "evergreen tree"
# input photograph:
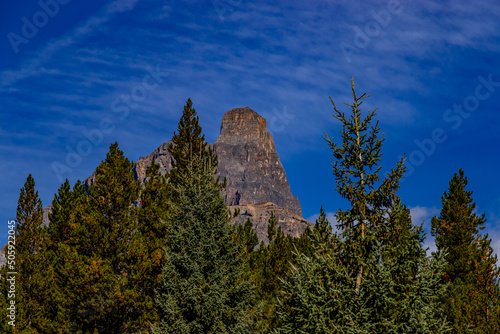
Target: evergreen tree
(356, 166)
(152, 216)
(123, 303)
(397, 294)
(305, 244)
(101, 259)
(247, 236)
(68, 250)
(472, 301)
(188, 143)
(29, 239)
(202, 290)
(28, 263)
(374, 276)
(270, 264)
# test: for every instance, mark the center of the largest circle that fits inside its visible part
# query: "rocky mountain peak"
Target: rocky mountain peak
(243, 125)
(249, 161)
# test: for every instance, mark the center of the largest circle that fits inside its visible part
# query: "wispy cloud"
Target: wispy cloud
(35, 66)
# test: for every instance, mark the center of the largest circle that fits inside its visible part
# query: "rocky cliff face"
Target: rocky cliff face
(259, 214)
(248, 159)
(160, 156)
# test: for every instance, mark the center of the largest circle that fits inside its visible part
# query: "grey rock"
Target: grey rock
(249, 161)
(259, 214)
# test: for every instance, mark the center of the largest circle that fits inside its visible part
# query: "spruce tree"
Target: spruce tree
(29, 239)
(397, 294)
(372, 277)
(356, 166)
(473, 297)
(271, 264)
(247, 236)
(152, 215)
(69, 251)
(202, 290)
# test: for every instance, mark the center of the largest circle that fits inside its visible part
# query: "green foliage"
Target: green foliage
(374, 277)
(164, 258)
(247, 237)
(202, 290)
(356, 169)
(397, 294)
(472, 300)
(30, 280)
(100, 256)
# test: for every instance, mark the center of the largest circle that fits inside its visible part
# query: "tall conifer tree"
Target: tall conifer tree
(374, 276)
(100, 254)
(29, 262)
(202, 289)
(473, 298)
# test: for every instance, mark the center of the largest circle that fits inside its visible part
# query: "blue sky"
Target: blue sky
(75, 77)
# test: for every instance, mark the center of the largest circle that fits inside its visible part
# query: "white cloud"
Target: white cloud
(420, 214)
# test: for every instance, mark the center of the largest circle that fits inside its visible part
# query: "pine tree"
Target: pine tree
(473, 298)
(69, 252)
(271, 264)
(247, 236)
(29, 239)
(124, 305)
(397, 294)
(188, 143)
(152, 216)
(305, 244)
(202, 290)
(100, 254)
(28, 263)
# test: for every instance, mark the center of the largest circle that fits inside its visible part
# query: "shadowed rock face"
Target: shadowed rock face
(249, 161)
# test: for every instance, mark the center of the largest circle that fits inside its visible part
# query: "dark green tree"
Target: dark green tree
(202, 290)
(153, 214)
(125, 305)
(28, 265)
(29, 239)
(397, 295)
(100, 254)
(472, 301)
(187, 144)
(247, 236)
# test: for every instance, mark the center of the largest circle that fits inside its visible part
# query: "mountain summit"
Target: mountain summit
(249, 161)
